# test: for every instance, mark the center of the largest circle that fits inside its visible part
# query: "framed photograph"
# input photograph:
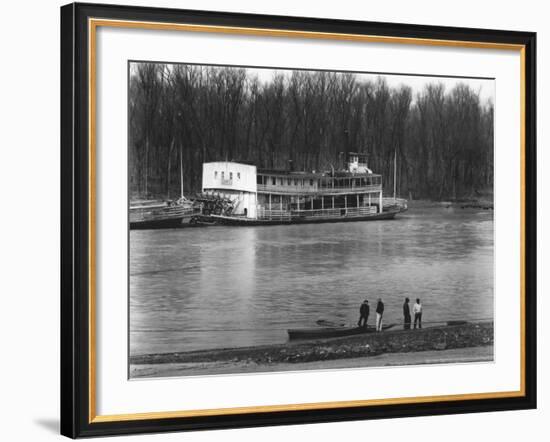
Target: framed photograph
(275, 220)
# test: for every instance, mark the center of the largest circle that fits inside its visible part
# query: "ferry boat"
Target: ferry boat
(264, 197)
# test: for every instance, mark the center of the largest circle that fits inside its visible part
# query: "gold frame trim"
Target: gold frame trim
(93, 24)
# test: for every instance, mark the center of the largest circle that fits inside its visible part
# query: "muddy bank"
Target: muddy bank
(373, 344)
(451, 356)
(469, 204)
(474, 204)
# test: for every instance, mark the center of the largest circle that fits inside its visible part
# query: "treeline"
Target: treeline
(182, 114)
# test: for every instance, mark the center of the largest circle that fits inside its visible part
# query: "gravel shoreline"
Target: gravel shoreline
(451, 356)
(370, 345)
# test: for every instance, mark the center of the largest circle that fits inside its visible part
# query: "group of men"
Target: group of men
(364, 312)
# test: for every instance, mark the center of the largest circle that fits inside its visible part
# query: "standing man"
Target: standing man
(379, 313)
(417, 310)
(364, 312)
(406, 315)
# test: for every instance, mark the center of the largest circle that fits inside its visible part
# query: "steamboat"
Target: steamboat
(265, 197)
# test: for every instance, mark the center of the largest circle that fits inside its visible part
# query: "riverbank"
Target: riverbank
(480, 204)
(482, 200)
(442, 344)
(452, 356)
(483, 203)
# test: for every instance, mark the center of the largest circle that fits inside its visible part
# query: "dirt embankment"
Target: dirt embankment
(474, 204)
(483, 200)
(399, 341)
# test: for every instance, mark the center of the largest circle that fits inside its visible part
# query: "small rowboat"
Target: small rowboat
(331, 332)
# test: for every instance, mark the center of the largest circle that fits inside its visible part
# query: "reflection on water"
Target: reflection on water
(237, 286)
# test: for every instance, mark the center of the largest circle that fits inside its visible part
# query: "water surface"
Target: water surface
(221, 286)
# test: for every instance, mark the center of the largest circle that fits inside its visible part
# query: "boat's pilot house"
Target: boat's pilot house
(357, 163)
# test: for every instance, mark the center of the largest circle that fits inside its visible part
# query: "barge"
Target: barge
(162, 214)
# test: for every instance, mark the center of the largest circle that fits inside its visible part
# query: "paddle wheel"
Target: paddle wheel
(214, 204)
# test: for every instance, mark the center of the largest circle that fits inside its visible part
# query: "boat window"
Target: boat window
(295, 182)
(223, 173)
(288, 181)
(273, 181)
(238, 175)
(215, 174)
(230, 175)
(311, 182)
(259, 179)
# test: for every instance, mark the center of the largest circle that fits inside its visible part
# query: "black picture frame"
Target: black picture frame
(76, 250)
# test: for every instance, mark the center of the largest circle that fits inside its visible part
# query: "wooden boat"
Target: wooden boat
(161, 214)
(331, 332)
(164, 214)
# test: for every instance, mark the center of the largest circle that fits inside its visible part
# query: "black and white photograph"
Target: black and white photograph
(298, 219)
(274, 221)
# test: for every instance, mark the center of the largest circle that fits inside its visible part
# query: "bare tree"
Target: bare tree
(184, 115)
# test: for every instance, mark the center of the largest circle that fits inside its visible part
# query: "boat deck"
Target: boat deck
(243, 221)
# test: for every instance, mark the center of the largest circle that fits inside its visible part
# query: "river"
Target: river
(221, 286)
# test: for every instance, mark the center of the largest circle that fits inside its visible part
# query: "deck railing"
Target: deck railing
(297, 190)
(274, 214)
(316, 213)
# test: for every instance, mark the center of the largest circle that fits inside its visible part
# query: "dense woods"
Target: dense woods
(183, 115)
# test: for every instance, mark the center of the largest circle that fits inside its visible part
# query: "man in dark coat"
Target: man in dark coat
(379, 313)
(406, 315)
(364, 312)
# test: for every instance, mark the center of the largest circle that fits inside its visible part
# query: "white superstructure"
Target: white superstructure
(235, 181)
(351, 192)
